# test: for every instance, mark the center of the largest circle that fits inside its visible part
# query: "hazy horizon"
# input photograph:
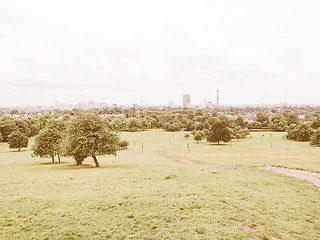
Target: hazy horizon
(254, 52)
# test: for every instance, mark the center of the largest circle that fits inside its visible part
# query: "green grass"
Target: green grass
(150, 194)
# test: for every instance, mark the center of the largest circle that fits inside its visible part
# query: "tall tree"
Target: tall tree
(315, 138)
(88, 135)
(23, 127)
(18, 140)
(219, 132)
(290, 117)
(7, 126)
(300, 132)
(47, 143)
(240, 122)
(277, 122)
(261, 117)
(198, 136)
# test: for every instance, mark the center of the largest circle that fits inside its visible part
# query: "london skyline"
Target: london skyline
(264, 52)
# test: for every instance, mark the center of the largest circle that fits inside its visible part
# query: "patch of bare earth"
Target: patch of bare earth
(302, 174)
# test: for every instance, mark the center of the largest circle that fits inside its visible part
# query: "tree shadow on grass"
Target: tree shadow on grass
(216, 144)
(50, 163)
(90, 166)
(17, 151)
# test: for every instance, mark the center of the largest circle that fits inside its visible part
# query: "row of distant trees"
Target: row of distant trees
(174, 119)
(16, 131)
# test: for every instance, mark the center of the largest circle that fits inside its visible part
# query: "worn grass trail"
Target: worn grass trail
(141, 194)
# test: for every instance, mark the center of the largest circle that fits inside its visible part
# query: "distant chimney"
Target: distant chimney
(217, 97)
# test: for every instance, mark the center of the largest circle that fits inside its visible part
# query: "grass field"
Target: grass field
(164, 187)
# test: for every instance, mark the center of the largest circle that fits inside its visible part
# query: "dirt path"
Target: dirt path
(305, 175)
(178, 159)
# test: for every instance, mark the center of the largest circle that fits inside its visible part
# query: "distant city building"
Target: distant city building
(135, 105)
(210, 104)
(217, 97)
(186, 102)
(114, 105)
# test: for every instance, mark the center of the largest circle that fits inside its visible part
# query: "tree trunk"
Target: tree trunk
(96, 161)
(59, 158)
(52, 157)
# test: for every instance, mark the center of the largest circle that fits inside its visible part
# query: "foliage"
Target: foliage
(123, 144)
(14, 112)
(239, 133)
(315, 138)
(254, 125)
(277, 122)
(89, 136)
(18, 140)
(133, 124)
(7, 126)
(290, 117)
(315, 120)
(23, 127)
(240, 122)
(198, 136)
(205, 132)
(261, 117)
(300, 132)
(172, 127)
(48, 143)
(1, 139)
(187, 135)
(117, 124)
(219, 132)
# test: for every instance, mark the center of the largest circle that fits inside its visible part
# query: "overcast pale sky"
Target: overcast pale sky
(254, 52)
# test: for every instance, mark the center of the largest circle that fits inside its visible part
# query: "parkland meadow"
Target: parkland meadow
(164, 186)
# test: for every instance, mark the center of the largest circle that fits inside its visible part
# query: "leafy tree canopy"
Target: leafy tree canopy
(89, 136)
(219, 132)
(277, 122)
(47, 143)
(18, 140)
(315, 138)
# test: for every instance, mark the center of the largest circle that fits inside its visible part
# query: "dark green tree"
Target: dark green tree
(48, 143)
(300, 132)
(123, 144)
(219, 132)
(133, 124)
(277, 122)
(315, 138)
(23, 127)
(290, 117)
(239, 133)
(18, 140)
(89, 136)
(254, 125)
(240, 122)
(7, 126)
(261, 117)
(198, 136)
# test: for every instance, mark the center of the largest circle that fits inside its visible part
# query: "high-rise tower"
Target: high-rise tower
(217, 97)
(186, 100)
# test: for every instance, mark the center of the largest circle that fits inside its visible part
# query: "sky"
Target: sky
(69, 51)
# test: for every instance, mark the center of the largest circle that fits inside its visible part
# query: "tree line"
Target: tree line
(201, 122)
